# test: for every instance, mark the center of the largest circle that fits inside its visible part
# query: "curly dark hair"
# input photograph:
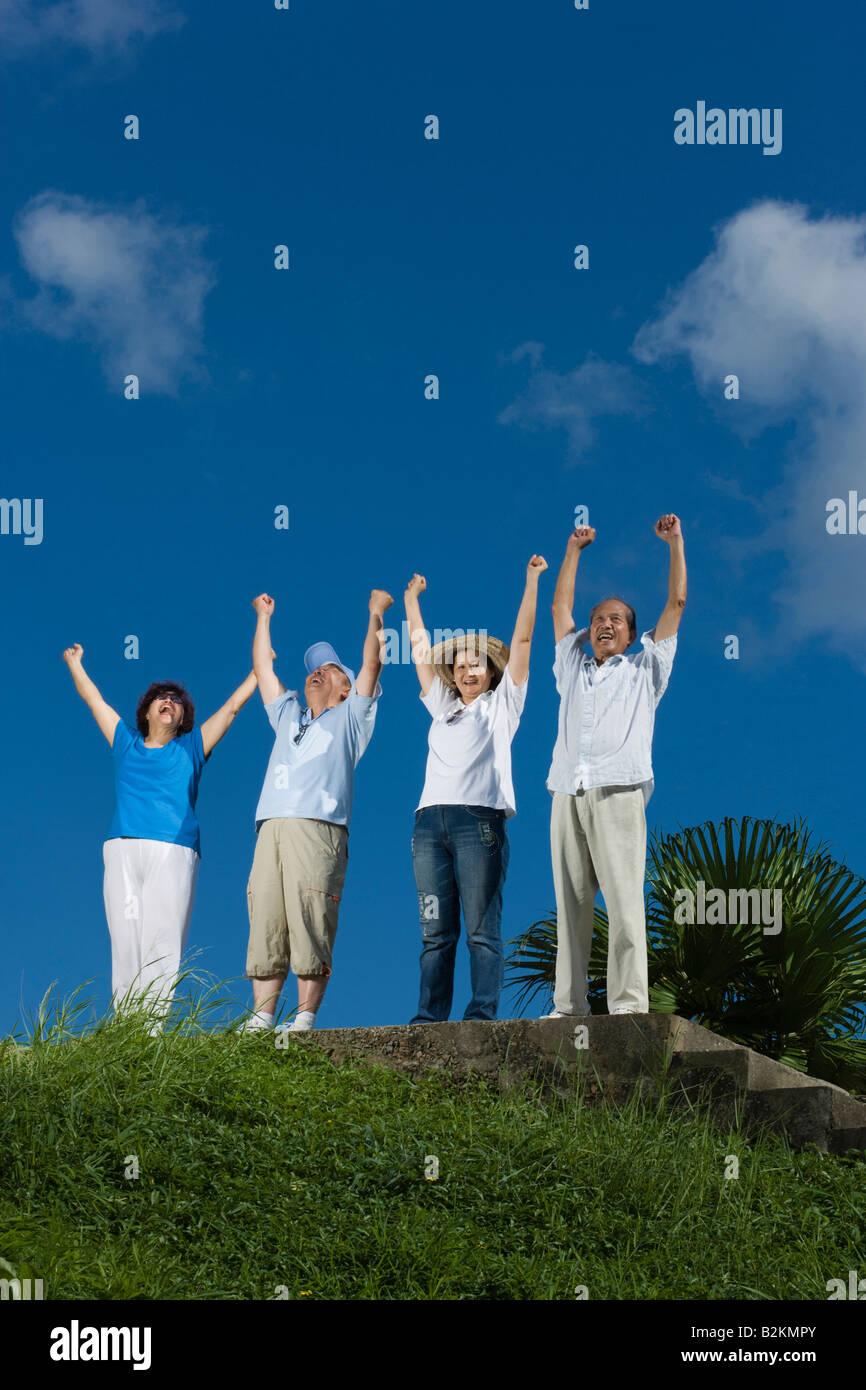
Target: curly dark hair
(155, 692)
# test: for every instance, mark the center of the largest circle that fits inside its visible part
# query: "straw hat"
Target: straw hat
(442, 655)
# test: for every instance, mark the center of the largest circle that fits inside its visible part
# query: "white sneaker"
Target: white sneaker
(302, 1022)
(256, 1023)
(556, 1014)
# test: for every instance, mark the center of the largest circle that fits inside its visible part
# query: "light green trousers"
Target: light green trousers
(598, 841)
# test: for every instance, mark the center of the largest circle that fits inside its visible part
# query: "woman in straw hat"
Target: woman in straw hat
(474, 688)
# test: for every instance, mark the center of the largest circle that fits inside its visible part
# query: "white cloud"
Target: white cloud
(128, 282)
(781, 302)
(573, 400)
(102, 26)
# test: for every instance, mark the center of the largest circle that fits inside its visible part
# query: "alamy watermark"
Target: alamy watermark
(399, 650)
(846, 518)
(736, 126)
(736, 907)
(22, 1290)
(22, 516)
(855, 1288)
(77, 1343)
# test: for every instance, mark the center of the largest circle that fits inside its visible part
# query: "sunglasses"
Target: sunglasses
(169, 695)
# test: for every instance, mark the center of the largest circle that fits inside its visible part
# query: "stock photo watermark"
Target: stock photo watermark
(846, 518)
(736, 126)
(398, 649)
(738, 907)
(77, 1343)
(22, 516)
(15, 1289)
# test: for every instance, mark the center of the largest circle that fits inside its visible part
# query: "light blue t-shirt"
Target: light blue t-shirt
(156, 788)
(313, 779)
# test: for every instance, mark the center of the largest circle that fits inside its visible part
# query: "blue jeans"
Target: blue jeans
(460, 855)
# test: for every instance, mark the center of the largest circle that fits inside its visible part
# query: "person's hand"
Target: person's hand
(536, 567)
(380, 599)
(417, 584)
(582, 536)
(72, 656)
(264, 604)
(668, 526)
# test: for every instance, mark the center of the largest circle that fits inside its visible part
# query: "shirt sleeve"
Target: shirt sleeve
(285, 704)
(196, 748)
(439, 698)
(123, 739)
(513, 697)
(659, 658)
(361, 712)
(569, 654)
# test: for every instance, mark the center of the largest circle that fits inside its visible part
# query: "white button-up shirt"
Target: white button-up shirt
(607, 714)
(311, 771)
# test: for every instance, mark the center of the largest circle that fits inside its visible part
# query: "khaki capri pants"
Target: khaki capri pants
(293, 896)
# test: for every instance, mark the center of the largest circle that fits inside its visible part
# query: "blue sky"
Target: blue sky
(305, 388)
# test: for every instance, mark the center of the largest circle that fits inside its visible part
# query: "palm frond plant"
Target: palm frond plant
(790, 984)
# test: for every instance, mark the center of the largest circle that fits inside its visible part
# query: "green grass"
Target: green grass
(261, 1167)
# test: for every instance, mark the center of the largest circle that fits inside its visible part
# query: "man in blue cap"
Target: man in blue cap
(303, 815)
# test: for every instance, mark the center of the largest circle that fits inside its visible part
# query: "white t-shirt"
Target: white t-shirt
(469, 763)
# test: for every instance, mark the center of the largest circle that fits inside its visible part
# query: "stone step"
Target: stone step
(616, 1055)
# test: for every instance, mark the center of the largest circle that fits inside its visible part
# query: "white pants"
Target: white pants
(598, 840)
(148, 889)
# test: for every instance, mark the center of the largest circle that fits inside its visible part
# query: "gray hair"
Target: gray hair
(627, 606)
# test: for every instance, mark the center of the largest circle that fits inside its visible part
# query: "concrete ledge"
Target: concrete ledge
(617, 1055)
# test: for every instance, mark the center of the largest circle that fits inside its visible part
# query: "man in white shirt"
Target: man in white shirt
(303, 815)
(601, 777)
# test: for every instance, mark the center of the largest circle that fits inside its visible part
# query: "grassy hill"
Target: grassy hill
(266, 1172)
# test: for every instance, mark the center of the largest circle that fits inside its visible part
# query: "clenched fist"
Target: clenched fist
(380, 599)
(668, 526)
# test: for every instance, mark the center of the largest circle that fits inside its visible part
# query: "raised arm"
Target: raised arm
(563, 596)
(419, 642)
(106, 717)
(263, 652)
(670, 530)
(371, 660)
(521, 642)
(213, 729)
